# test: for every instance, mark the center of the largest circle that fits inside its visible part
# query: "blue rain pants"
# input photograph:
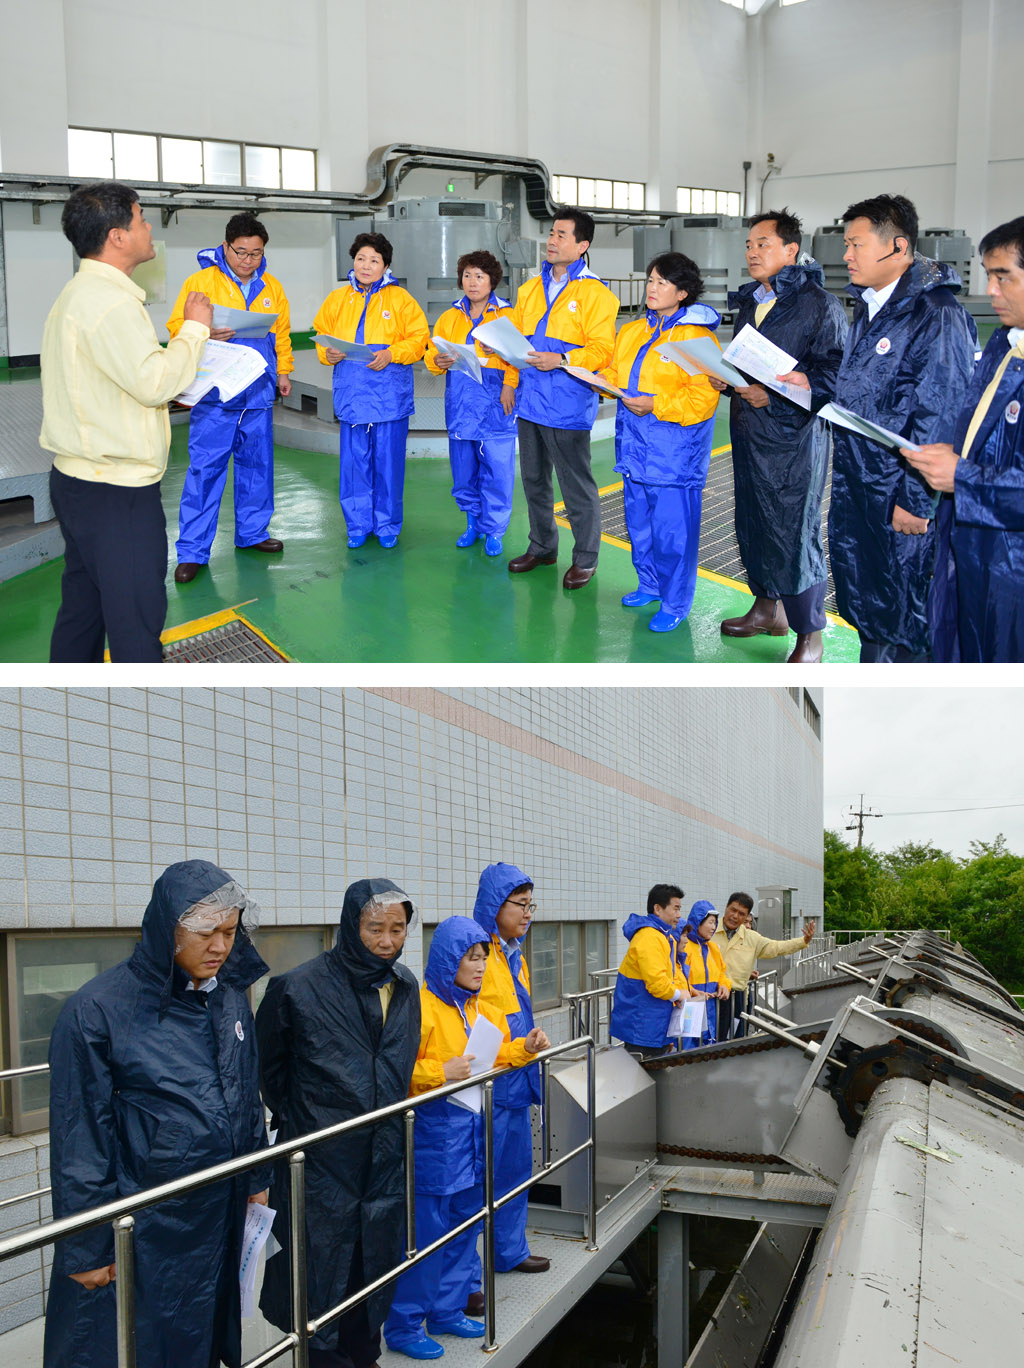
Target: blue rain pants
(663, 522)
(483, 477)
(216, 434)
(372, 478)
(513, 1164)
(439, 1287)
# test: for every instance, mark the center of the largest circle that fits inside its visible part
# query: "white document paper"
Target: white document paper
(865, 428)
(752, 352)
(484, 1042)
(226, 368)
(258, 1220)
(701, 356)
(675, 1022)
(695, 1018)
(464, 356)
(503, 337)
(245, 324)
(595, 381)
(357, 349)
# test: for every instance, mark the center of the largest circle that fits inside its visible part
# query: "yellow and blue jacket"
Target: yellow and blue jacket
(506, 986)
(649, 978)
(473, 412)
(448, 1137)
(580, 324)
(381, 316)
(672, 445)
(266, 295)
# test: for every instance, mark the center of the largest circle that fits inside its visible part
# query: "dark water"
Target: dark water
(613, 1326)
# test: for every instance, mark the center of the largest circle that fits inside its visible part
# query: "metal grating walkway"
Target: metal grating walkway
(718, 550)
(233, 643)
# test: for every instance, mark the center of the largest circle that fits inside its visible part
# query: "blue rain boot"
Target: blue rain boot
(664, 622)
(492, 546)
(638, 599)
(470, 535)
(388, 542)
(461, 1326)
(356, 541)
(422, 1348)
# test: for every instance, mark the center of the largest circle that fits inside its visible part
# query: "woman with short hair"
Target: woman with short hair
(480, 417)
(373, 400)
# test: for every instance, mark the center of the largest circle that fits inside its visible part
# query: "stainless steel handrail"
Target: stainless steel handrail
(122, 1212)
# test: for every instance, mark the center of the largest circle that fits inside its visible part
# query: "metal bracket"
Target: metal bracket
(166, 215)
(480, 176)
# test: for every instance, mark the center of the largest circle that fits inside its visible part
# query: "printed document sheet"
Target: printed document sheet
(464, 355)
(258, 1220)
(701, 356)
(356, 349)
(865, 428)
(484, 1043)
(226, 368)
(244, 323)
(503, 337)
(752, 352)
(596, 381)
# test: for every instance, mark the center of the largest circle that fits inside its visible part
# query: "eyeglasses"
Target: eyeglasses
(527, 907)
(245, 256)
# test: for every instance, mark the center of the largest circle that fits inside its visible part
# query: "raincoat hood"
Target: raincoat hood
(792, 277)
(697, 315)
(495, 302)
(496, 883)
(362, 966)
(924, 275)
(214, 256)
(638, 920)
(698, 912)
(579, 270)
(386, 279)
(450, 942)
(178, 887)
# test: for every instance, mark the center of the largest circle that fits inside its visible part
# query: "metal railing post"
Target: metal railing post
(300, 1312)
(545, 1125)
(124, 1261)
(410, 1180)
(489, 1344)
(591, 1245)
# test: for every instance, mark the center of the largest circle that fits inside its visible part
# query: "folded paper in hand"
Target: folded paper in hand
(244, 323)
(226, 368)
(464, 356)
(484, 1043)
(503, 337)
(258, 1220)
(357, 349)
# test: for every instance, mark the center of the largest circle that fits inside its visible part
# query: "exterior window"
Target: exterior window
(222, 163)
(561, 956)
(45, 971)
(90, 154)
(596, 937)
(99, 154)
(135, 157)
(599, 194)
(692, 200)
(182, 160)
(298, 168)
(263, 166)
(543, 944)
(283, 948)
(811, 715)
(572, 962)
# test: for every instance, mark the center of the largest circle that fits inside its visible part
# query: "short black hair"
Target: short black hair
(681, 272)
(523, 888)
(741, 899)
(377, 241)
(787, 226)
(661, 895)
(92, 210)
(1006, 235)
(482, 261)
(245, 225)
(583, 226)
(891, 216)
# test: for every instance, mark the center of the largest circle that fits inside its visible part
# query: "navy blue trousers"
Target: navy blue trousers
(115, 564)
(805, 612)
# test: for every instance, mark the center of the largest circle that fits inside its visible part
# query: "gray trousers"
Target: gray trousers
(567, 451)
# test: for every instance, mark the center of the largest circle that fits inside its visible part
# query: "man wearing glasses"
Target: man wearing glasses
(234, 274)
(504, 908)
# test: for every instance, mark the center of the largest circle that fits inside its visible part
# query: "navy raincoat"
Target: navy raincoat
(907, 369)
(326, 1056)
(988, 532)
(780, 453)
(151, 1081)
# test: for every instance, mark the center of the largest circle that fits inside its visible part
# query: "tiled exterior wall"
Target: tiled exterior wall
(597, 793)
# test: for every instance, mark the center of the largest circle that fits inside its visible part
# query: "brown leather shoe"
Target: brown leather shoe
(186, 572)
(270, 545)
(767, 617)
(576, 576)
(474, 1304)
(521, 564)
(533, 1263)
(808, 649)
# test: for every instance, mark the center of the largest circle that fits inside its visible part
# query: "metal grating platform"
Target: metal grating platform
(718, 550)
(233, 643)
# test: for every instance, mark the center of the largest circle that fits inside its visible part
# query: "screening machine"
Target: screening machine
(872, 1130)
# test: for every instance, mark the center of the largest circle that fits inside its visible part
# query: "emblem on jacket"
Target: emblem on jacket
(238, 1030)
(266, 302)
(572, 305)
(1013, 410)
(883, 346)
(385, 313)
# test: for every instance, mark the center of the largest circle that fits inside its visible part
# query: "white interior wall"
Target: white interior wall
(665, 91)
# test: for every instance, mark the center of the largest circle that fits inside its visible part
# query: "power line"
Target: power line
(929, 812)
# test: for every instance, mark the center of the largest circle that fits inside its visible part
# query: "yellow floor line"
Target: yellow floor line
(199, 626)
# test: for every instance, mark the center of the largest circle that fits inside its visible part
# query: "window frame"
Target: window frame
(202, 139)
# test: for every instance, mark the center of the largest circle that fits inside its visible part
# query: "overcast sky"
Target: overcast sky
(908, 749)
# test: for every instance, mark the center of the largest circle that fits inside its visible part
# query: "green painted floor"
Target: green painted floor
(425, 600)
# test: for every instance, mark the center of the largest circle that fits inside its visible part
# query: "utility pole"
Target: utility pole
(858, 825)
